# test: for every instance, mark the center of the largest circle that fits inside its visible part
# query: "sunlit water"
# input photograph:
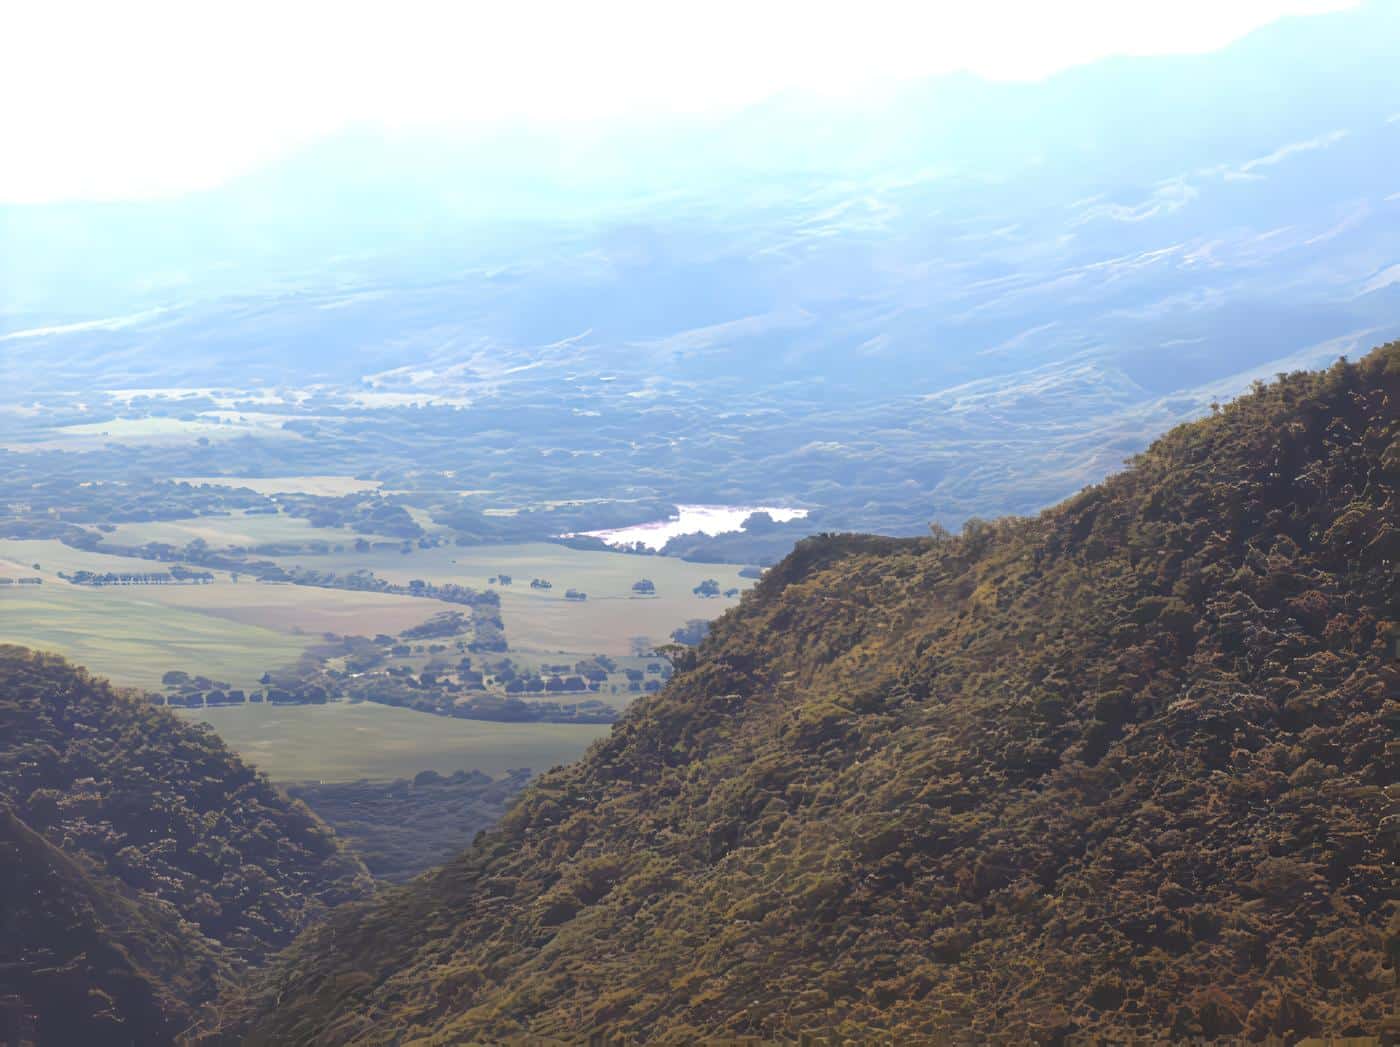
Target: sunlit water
(690, 519)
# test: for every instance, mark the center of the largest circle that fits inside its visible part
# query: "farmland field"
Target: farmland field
(346, 741)
(133, 639)
(230, 631)
(235, 631)
(543, 620)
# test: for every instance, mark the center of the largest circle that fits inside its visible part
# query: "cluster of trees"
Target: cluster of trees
(439, 626)
(692, 632)
(709, 589)
(37, 500)
(1114, 773)
(364, 580)
(182, 689)
(174, 576)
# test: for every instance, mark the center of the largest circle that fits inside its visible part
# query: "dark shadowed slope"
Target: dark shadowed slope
(94, 963)
(1117, 769)
(126, 825)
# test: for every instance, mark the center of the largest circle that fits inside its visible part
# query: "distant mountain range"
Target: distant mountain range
(1021, 281)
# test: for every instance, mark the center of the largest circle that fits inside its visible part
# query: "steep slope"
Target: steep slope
(1119, 769)
(162, 822)
(95, 964)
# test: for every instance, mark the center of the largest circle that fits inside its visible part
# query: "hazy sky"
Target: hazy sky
(113, 100)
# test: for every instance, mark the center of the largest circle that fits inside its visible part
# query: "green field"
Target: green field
(20, 555)
(344, 741)
(123, 635)
(545, 622)
(233, 632)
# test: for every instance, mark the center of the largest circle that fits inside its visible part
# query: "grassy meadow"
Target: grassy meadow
(345, 741)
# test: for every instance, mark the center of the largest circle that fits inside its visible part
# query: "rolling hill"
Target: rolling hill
(1119, 770)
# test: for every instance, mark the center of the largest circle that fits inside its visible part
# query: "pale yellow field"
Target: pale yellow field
(544, 621)
(321, 486)
(281, 606)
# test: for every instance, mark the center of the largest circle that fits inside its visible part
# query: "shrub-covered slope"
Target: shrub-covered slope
(97, 965)
(1119, 769)
(157, 813)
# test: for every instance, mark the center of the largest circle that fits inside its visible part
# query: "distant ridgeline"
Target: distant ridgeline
(142, 864)
(1115, 772)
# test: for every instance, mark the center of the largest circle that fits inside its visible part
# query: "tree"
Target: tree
(692, 632)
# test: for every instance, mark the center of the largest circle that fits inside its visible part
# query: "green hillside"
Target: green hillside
(1120, 769)
(144, 863)
(96, 965)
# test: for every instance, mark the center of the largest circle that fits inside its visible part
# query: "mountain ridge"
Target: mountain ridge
(1117, 770)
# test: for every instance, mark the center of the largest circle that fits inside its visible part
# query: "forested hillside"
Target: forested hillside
(122, 825)
(94, 964)
(1118, 769)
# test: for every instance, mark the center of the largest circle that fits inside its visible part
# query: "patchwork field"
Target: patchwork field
(124, 635)
(231, 631)
(543, 620)
(346, 741)
(235, 631)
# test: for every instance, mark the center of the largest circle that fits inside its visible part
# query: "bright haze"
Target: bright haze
(157, 99)
(924, 263)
